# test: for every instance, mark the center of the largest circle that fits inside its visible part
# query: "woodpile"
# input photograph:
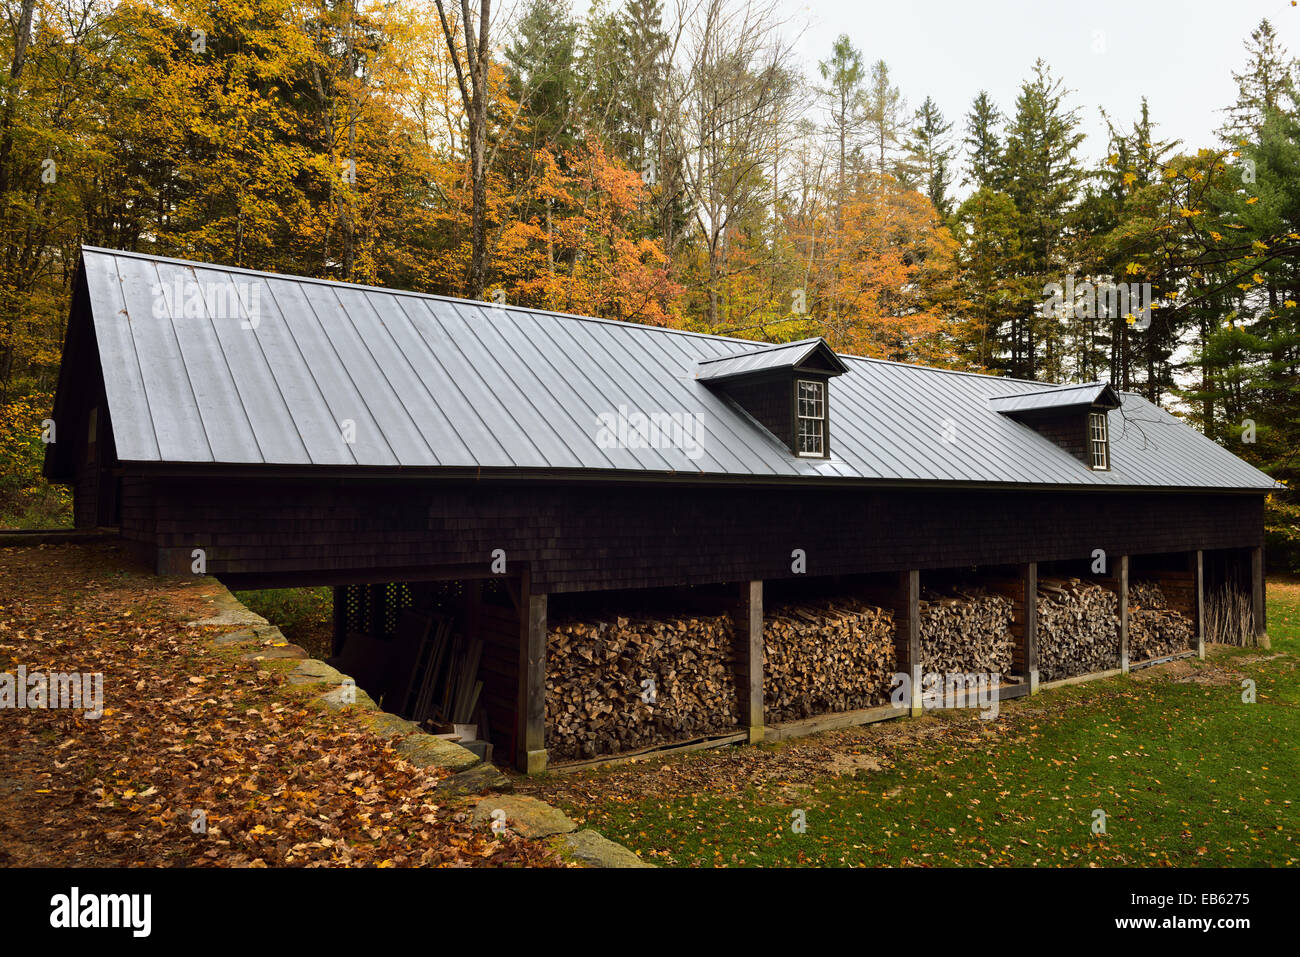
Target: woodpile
(1078, 628)
(826, 657)
(966, 632)
(1155, 628)
(623, 684)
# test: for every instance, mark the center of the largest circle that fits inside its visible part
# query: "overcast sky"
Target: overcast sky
(1180, 54)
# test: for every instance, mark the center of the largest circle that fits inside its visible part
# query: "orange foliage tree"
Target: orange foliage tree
(583, 254)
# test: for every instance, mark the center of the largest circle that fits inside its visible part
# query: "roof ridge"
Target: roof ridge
(221, 267)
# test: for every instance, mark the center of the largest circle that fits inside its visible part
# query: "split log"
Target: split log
(826, 657)
(966, 632)
(1078, 628)
(1157, 627)
(623, 684)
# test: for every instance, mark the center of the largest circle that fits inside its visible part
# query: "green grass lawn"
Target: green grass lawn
(1185, 772)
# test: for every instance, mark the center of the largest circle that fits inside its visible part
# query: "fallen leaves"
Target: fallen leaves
(202, 760)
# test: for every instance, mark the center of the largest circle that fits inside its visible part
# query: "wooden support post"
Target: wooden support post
(908, 635)
(1257, 607)
(1198, 602)
(747, 629)
(1121, 587)
(1029, 582)
(530, 748)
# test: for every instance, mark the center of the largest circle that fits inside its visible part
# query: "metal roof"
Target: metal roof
(1057, 397)
(767, 358)
(209, 364)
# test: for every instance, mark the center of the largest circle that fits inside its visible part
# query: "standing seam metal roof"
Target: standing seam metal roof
(432, 382)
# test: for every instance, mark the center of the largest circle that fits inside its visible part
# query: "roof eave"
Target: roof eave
(606, 476)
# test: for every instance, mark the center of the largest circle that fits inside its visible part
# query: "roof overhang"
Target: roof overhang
(806, 355)
(1091, 395)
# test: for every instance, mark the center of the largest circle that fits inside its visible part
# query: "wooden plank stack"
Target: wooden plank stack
(1078, 628)
(826, 656)
(594, 684)
(1229, 618)
(967, 631)
(1156, 628)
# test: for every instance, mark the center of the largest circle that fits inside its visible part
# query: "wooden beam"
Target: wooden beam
(747, 629)
(831, 722)
(1121, 586)
(178, 561)
(702, 743)
(1198, 604)
(1081, 679)
(1258, 608)
(908, 634)
(1029, 582)
(530, 753)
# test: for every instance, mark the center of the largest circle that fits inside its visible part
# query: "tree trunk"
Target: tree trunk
(472, 78)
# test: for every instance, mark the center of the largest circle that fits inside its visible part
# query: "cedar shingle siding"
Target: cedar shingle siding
(583, 538)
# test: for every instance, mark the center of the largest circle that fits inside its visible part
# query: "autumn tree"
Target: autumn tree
(738, 93)
(472, 63)
(886, 119)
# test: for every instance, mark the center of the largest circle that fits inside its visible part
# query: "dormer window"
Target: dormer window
(784, 389)
(1071, 416)
(810, 398)
(1100, 441)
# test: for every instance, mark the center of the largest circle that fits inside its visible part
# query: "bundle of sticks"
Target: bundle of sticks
(1230, 616)
(623, 684)
(826, 656)
(966, 631)
(1155, 629)
(1078, 628)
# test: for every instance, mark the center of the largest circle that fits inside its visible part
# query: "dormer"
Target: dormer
(1075, 417)
(786, 388)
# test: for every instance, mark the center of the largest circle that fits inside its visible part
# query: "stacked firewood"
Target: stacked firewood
(625, 684)
(967, 631)
(825, 657)
(1078, 628)
(1155, 629)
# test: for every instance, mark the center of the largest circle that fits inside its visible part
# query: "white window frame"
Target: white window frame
(800, 417)
(1099, 441)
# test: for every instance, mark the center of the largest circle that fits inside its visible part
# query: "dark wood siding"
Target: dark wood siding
(770, 401)
(576, 538)
(1069, 431)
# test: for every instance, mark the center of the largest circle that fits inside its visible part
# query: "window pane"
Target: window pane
(1100, 443)
(810, 407)
(811, 399)
(810, 436)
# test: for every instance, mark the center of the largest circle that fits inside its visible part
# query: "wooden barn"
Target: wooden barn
(623, 537)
